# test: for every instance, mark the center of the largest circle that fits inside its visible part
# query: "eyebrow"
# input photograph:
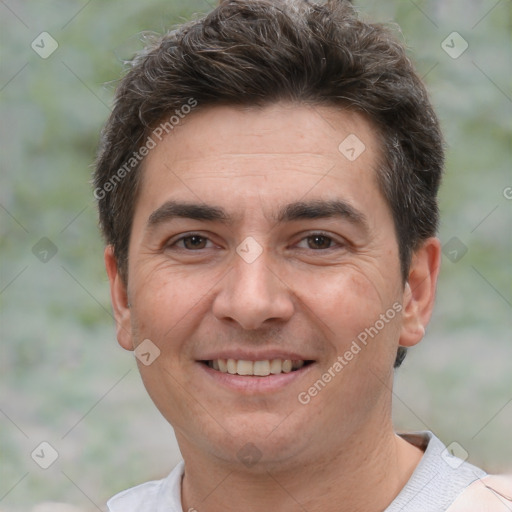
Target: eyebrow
(300, 210)
(319, 209)
(174, 209)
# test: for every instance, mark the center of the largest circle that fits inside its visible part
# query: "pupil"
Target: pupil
(320, 240)
(195, 241)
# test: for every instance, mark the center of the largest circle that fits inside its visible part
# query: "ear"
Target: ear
(119, 298)
(420, 291)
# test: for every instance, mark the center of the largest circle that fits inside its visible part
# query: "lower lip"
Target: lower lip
(254, 384)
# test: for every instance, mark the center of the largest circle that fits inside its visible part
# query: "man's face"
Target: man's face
(297, 259)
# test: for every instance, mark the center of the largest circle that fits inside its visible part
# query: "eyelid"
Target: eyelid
(335, 240)
(340, 242)
(173, 241)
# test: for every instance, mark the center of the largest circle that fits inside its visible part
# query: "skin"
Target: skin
(311, 296)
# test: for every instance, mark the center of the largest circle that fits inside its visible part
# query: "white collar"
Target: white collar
(155, 496)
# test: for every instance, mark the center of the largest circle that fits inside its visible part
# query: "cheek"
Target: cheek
(363, 322)
(348, 301)
(164, 312)
(165, 298)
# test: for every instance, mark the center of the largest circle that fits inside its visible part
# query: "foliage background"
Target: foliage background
(64, 378)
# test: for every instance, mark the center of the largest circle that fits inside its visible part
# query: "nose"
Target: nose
(252, 294)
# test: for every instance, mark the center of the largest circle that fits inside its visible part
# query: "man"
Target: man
(267, 189)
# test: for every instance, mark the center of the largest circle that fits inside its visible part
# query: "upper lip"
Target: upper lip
(248, 355)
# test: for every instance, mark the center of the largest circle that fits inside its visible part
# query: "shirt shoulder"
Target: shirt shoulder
(493, 493)
(155, 496)
(438, 480)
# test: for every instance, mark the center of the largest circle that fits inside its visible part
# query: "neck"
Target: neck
(366, 473)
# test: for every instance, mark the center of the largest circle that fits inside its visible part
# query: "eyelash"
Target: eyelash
(312, 235)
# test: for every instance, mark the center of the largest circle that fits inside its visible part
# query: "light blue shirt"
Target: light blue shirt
(435, 484)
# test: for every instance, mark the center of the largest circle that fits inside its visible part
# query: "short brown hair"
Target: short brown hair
(256, 52)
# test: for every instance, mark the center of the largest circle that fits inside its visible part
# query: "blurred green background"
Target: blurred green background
(64, 379)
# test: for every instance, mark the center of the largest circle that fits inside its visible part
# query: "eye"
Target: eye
(191, 242)
(318, 241)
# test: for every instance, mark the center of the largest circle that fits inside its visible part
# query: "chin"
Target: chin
(261, 441)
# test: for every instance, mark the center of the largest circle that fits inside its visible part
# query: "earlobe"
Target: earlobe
(419, 292)
(119, 298)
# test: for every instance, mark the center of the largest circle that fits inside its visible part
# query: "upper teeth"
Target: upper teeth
(260, 368)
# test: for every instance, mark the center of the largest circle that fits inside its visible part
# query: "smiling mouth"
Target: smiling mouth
(256, 368)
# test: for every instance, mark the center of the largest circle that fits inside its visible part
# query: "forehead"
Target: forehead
(281, 151)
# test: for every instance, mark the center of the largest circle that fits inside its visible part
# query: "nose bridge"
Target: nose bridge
(252, 291)
(252, 279)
